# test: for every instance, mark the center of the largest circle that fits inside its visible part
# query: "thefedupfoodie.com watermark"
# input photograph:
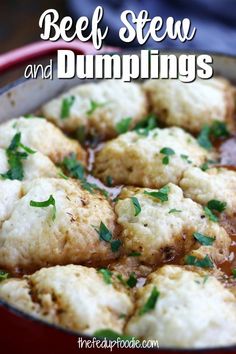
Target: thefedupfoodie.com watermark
(116, 343)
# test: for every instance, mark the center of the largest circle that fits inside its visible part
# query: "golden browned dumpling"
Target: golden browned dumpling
(184, 308)
(71, 296)
(192, 105)
(165, 224)
(213, 184)
(149, 161)
(65, 229)
(98, 107)
(42, 136)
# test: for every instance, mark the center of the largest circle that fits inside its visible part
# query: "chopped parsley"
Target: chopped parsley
(216, 130)
(167, 152)
(137, 207)
(81, 134)
(106, 235)
(123, 125)
(166, 160)
(107, 274)
(121, 279)
(212, 206)
(211, 216)
(15, 157)
(234, 272)
(216, 205)
(205, 262)
(73, 166)
(186, 158)
(146, 125)
(162, 194)
(46, 203)
(66, 105)
(92, 187)
(134, 254)
(109, 181)
(3, 275)
(93, 106)
(204, 240)
(122, 316)
(174, 211)
(61, 174)
(132, 281)
(151, 302)
(219, 129)
(28, 116)
(205, 165)
(206, 277)
(204, 138)
(76, 170)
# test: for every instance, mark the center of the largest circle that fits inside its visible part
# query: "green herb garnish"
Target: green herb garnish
(81, 134)
(175, 211)
(186, 158)
(123, 125)
(234, 272)
(206, 277)
(93, 106)
(109, 181)
(115, 245)
(134, 254)
(219, 129)
(216, 130)
(132, 281)
(15, 157)
(211, 216)
(62, 175)
(73, 166)
(3, 275)
(76, 170)
(204, 240)
(46, 203)
(151, 302)
(92, 187)
(121, 279)
(122, 316)
(203, 263)
(106, 235)
(107, 274)
(167, 152)
(137, 207)
(146, 125)
(204, 138)
(66, 105)
(162, 194)
(216, 205)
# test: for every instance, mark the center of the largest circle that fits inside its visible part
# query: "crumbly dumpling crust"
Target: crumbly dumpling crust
(193, 310)
(191, 105)
(114, 100)
(42, 136)
(30, 238)
(132, 159)
(214, 183)
(72, 296)
(164, 230)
